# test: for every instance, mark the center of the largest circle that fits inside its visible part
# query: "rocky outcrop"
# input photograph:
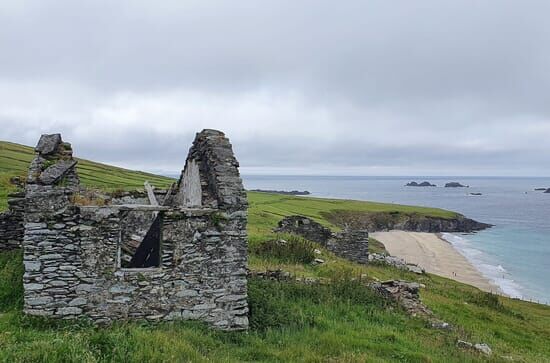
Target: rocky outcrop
(385, 221)
(352, 244)
(455, 185)
(479, 347)
(437, 225)
(422, 184)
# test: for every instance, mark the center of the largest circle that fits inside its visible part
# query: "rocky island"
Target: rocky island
(423, 184)
(455, 185)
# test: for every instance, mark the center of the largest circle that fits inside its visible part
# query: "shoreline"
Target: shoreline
(435, 255)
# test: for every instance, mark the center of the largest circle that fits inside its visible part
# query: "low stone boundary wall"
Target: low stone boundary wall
(12, 228)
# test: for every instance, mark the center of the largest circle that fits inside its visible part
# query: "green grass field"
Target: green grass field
(340, 321)
(15, 159)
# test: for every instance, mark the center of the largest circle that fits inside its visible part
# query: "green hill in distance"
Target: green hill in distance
(338, 320)
(15, 159)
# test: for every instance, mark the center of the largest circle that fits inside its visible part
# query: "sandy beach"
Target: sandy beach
(434, 255)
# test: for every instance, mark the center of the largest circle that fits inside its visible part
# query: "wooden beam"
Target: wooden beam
(150, 193)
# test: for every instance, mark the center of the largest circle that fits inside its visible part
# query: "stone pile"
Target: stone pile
(275, 275)
(479, 347)
(395, 262)
(350, 244)
(405, 293)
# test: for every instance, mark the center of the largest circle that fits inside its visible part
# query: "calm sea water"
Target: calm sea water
(515, 254)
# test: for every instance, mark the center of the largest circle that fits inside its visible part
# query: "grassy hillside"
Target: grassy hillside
(15, 159)
(338, 321)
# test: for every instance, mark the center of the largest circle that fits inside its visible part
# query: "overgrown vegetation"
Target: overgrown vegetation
(11, 281)
(375, 246)
(287, 249)
(335, 320)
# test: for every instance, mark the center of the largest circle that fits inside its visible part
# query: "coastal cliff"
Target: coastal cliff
(385, 221)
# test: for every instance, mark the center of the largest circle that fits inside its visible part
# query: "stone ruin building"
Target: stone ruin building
(352, 244)
(169, 254)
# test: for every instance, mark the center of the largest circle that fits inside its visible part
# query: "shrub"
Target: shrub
(293, 249)
(492, 301)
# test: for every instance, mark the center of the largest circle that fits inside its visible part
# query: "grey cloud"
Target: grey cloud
(420, 85)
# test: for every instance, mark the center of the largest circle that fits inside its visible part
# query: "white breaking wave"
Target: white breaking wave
(495, 273)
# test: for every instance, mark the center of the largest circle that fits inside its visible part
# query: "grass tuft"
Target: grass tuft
(290, 249)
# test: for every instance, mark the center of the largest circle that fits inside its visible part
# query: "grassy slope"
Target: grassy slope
(290, 322)
(15, 159)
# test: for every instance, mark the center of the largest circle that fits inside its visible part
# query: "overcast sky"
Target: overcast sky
(300, 87)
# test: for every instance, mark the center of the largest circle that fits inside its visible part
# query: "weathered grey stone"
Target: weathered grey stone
(57, 171)
(58, 283)
(187, 293)
(32, 265)
(67, 268)
(39, 300)
(38, 312)
(483, 348)
(33, 286)
(70, 310)
(122, 289)
(78, 301)
(51, 256)
(48, 144)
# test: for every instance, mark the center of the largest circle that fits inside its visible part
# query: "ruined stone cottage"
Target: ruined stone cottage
(161, 255)
(352, 244)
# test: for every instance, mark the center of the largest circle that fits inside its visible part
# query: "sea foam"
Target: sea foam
(494, 272)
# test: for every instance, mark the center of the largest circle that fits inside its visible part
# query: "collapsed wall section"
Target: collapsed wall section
(350, 243)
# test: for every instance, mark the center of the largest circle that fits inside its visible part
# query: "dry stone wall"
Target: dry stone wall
(11, 222)
(350, 244)
(72, 253)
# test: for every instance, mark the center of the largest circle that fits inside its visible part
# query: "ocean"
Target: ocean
(514, 254)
